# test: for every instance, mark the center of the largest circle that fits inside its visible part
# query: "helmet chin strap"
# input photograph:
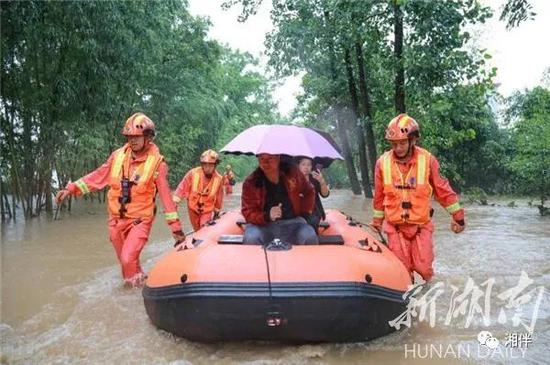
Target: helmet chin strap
(146, 143)
(409, 151)
(208, 176)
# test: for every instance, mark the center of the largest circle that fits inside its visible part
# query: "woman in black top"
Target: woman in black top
(305, 164)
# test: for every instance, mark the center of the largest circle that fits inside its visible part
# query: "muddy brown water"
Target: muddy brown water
(63, 301)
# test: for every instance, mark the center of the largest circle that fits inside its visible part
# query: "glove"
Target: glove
(179, 236)
(458, 226)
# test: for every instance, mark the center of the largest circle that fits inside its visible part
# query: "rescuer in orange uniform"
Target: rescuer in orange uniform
(134, 174)
(229, 179)
(405, 179)
(203, 188)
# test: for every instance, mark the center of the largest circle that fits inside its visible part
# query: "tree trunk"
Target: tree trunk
(3, 206)
(366, 104)
(342, 130)
(38, 193)
(543, 155)
(48, 191)
(17, 188)
(364, 166)
(8, 209)
(348, 157)
(14, 207)
(398, 54)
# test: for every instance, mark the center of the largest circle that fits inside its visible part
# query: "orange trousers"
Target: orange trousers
(413, 245)
(128, 237)
(198, 220)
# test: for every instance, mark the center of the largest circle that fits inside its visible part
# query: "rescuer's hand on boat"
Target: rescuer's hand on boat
(179, 236)
(276, 212)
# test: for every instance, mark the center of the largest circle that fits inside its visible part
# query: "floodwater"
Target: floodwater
(63, 301)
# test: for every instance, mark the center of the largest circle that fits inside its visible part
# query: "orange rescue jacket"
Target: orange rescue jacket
(407, 197)
(203, 201)
(142, 181)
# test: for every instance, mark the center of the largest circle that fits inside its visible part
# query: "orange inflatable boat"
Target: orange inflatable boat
(345, 289)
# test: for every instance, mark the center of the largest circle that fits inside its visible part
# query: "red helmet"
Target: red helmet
(138, 125)
(402, 127)
(209, 156)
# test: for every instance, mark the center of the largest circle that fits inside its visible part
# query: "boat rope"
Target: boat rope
(268, 273)
(352, 220)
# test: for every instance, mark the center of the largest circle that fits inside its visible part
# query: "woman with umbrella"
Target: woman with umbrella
(277, 198)
(277, 202)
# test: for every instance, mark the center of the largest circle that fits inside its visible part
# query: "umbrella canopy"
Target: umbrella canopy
(288, 140)
(326, 161)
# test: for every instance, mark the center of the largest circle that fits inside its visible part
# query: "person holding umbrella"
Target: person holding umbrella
(277, 198)
(276, 201)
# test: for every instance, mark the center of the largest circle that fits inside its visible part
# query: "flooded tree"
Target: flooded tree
(72, 72)
(530, 137)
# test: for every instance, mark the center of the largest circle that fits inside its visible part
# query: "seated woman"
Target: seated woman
(305, 165)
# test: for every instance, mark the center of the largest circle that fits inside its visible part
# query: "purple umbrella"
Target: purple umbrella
(279, 139)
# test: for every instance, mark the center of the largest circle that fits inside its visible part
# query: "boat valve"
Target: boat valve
(277, 245)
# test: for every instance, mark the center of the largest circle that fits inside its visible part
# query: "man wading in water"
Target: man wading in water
(404, 180)
(134, 174)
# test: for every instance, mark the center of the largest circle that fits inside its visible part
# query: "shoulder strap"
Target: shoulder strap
(386, 168)
(195, 179)
(120, 156)
(423, 166)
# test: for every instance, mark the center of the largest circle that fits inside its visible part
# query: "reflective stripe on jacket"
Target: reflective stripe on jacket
(407, 196)
(202, 199)
(142, 183)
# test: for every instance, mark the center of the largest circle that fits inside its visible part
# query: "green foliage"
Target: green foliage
(515, 12)
(72, 72)
(459, 127)
(248, 98)
(336, 176)
(448, 85)
(529, 112)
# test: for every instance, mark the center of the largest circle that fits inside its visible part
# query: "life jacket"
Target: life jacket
(142, 184)
(407, 197)
(203, 200)
(229, 178)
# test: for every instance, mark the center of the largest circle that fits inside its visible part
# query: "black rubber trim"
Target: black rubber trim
(237, 239)
(333, 239)
(278, 290)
